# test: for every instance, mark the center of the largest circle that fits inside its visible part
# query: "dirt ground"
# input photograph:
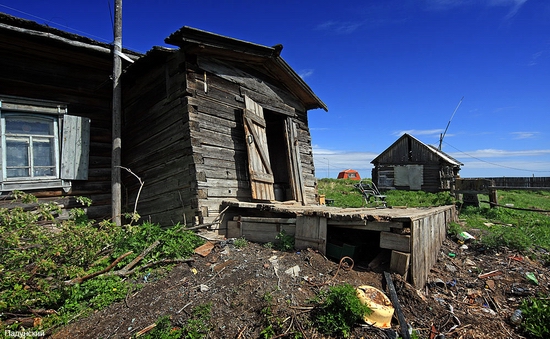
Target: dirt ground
(457, 302)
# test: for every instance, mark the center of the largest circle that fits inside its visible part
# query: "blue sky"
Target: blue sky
(382, 67)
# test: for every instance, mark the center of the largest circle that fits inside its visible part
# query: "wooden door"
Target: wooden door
(259, 167)
(295, 163)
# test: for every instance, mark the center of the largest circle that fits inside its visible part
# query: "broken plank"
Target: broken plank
(399, 263)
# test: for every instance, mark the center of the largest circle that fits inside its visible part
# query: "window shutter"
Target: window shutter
(75, 148)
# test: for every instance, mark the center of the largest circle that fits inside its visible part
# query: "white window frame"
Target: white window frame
(29, 138)
(71, 143)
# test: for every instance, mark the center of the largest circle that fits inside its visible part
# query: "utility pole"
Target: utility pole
(116, 200)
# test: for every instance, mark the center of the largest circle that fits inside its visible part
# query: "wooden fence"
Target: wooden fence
(532, 183)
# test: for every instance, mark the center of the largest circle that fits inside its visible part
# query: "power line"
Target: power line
(56, 24)
(492, 163)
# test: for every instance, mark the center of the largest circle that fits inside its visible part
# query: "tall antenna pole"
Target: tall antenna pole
(441, 136)
(116, 199)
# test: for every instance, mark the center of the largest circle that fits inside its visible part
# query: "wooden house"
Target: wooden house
(214, 124)
(55, 111)
(215, 119)
(410, 164)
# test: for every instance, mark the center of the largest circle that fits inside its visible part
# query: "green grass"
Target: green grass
(526, 230)
(515, 229)
(346, 195)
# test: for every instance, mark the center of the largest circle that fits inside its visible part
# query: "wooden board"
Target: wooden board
(311, 232)
(427, 235)
(259, 166)
(393, 241)
(399, 263)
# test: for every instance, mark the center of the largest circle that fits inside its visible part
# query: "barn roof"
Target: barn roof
(440, 154)
(268, 58)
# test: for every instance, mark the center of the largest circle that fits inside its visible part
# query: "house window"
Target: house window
(41, 146)
(31, 144)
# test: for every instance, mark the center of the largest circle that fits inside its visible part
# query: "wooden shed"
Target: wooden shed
(410, 164)
(55, 111)
(216, 118)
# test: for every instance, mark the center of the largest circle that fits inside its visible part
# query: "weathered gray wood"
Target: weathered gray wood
(427, 235)
(399, 263)
(367, 226)
(75, 148)
(268, 220)
(261, 175)
(265, 232)
(295, 163)
(233, 229)
(393, 241)
(311, 232)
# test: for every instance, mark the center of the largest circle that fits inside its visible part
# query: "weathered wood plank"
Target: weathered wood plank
(311, 232)
(399, 263)
(393, 241)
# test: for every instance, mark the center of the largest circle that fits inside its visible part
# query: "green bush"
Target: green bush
(536, 316)
(285, 241)
(339, 310)
(40, 256)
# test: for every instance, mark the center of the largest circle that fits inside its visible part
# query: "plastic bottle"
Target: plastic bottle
(516, 317)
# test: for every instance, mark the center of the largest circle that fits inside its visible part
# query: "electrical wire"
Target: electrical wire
(495, 164)
(49, 22)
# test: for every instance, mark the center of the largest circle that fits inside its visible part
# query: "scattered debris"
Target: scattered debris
(293, 271)
(489, 274)
(205, 249)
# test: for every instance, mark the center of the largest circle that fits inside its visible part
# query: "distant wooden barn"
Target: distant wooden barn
(410, 164)
(216, 119)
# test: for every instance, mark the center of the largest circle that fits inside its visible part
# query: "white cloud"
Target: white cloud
(328, 163)
(477, 163)
(496, 153)
(524, 135)
(306, 73)
(513, 5)
(535, 57)
(339, 27)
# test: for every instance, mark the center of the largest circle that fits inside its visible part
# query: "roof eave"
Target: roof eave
(203, 42)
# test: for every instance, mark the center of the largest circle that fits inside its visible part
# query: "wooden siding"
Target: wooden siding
(46, 68)
(157, 144)
(219, 139)
(427, 236)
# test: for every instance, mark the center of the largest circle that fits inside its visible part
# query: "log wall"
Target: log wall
(43, 67)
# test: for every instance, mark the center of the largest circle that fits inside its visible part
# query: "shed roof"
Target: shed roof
(440, 154)
(206, 43)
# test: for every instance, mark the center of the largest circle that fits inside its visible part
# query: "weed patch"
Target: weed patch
(41, 256)
(339, 310)
(536, 317)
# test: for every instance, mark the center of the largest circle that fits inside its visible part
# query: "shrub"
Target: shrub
(339, 310)
(285, 241)
(40, 256)
(536, 316)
